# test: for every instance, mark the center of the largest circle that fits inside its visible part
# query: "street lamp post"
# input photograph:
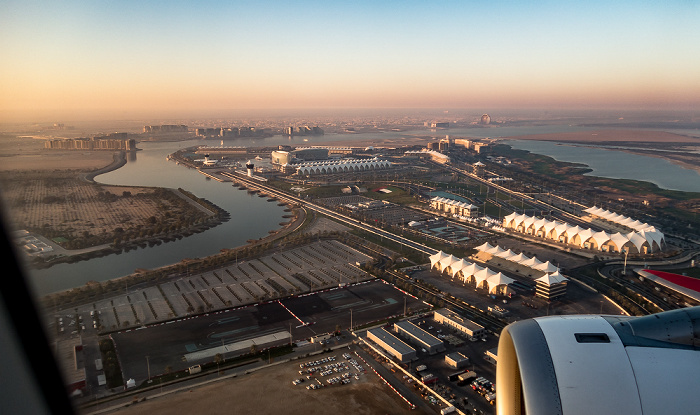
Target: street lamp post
(223, 349)
(148, 367)
(624, 268)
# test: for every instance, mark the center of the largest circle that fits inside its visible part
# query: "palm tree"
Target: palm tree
(218, 359)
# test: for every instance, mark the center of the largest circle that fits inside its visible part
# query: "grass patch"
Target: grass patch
(397, 195)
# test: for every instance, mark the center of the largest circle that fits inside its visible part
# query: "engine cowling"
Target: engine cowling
(587, 364)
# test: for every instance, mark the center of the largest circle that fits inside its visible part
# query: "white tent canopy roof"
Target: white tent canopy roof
(458, 266)
(437, 257)
(547, 267)
(506, 254)
(471, 270)
(485, 247)
(532, 262)
(553, 278)
(520, 258)
(496, 280)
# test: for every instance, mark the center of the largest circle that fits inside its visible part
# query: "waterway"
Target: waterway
(617, 164)
(252, 217)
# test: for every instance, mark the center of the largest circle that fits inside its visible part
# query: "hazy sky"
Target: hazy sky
(153, 57)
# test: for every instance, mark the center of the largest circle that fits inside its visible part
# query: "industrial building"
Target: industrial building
(299, 155)
(459, 323)
(491, 355)
(454, 207)
(419, 337)
(428, 154)
(394, 346)
(456, 360)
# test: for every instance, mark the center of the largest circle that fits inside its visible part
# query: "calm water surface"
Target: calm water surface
(252, 217)
(617, 164)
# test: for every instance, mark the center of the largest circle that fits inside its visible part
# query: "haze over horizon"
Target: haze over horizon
(157, 59)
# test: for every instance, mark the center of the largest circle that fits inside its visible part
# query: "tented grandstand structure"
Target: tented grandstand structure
(619, 219)
(341, 166)
(468, 272)
(640, 241)
(522, 259)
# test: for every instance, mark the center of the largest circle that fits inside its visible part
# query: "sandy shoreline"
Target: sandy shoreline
(599, 140)
(619, 135)
(685, 165)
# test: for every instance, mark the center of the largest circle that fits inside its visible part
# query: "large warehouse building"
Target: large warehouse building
(387, 341)
(419, 337)
(459, 323)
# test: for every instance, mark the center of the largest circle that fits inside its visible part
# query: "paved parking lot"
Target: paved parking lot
(305, 316)
(322, 264)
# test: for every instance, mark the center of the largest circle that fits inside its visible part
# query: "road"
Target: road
(252, 183)
(537, 204)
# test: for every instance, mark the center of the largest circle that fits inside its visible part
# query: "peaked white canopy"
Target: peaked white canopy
(553, 278)
(547, 267)
(496, 280)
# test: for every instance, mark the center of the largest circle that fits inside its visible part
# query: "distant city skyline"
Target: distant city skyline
(157, 59)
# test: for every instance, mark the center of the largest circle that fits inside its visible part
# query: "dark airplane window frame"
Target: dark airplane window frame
(28, 332)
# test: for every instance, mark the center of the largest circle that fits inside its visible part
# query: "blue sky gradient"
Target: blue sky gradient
(174, 55)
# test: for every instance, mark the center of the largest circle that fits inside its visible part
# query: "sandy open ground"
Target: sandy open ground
(270, 391)
(23, 154)
(43, 188)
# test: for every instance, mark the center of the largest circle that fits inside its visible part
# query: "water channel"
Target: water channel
(252, 217)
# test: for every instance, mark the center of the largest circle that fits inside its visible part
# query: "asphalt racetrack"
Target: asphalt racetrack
(167, 344)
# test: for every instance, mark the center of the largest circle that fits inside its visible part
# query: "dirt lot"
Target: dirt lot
(270, 391)
(25, 154)
(44, 193)
(57, 204)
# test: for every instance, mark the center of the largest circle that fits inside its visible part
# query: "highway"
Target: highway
(525, 197)
(268, 190)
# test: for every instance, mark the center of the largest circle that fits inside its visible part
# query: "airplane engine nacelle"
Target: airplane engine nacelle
(588, 364)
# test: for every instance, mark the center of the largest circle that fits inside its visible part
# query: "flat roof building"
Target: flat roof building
(419, 337)
(394, 346)
(454, 320)
(456, 360)
(492, 355)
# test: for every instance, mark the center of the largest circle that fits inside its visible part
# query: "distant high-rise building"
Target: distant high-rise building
(154, 129)
(485, 119)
